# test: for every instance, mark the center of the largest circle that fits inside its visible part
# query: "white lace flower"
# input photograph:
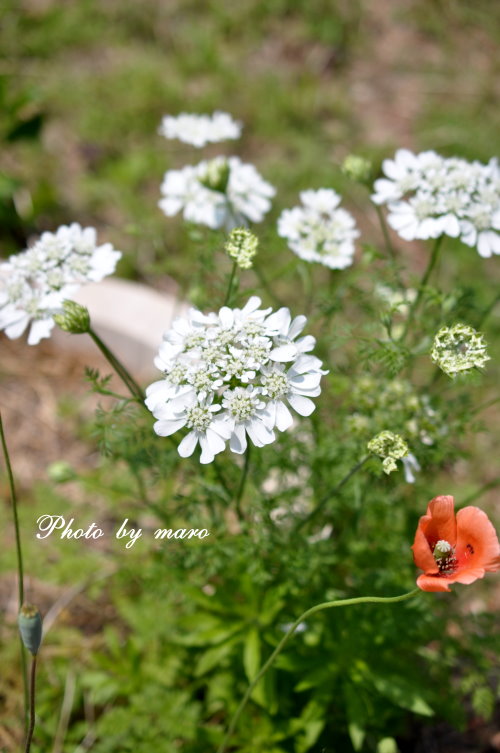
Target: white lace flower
(34, 283)
(428, 196)
(230, 363)
(199, 130)
(319, 230)
(221, 193)
(207, 428)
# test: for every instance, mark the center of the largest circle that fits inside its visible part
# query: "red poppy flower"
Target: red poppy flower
(454, 549)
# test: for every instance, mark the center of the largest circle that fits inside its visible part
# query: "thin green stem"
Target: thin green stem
(385, 232)
(31, 727)
(487, 404)
(482, 489)
(19, 558)
(488, 311)
(120, 369)
(243, 480)
(13, 496)
(423, 283)
(330, 494)
(281, 645)
(227, 299)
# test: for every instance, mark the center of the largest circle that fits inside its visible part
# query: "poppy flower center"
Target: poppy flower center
(444, 555)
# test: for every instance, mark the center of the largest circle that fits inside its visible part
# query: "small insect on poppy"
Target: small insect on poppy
(453, 548)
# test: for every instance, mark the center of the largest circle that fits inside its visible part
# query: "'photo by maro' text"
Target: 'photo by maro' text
(49, 524)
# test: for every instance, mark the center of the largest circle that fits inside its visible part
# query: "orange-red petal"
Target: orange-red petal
(439, 523)
(432, 583)
(477, 542)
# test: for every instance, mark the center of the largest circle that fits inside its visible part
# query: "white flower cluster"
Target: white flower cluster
(459, 350)
(199, 130)
(220, 193)
(319, 230)
(34, 283)
(428, 195)
(231, 374)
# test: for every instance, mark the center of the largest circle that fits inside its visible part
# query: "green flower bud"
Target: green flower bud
(459, 349)
(217, 175)
(30, 627)
(60, 472)
(242, 247)
(357, 168)
(390, 447)
(75, 318)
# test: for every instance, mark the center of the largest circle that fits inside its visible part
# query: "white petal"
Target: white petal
(284, 418)
(39, 329)
(186, 447)
(302, 405)
(283, 353)
(166, 427)
(259, 433)
(238, 441)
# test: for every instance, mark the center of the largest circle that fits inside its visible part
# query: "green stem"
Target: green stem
(488, 311)
(19, 553)
(387, 237)
(330, 494)
(421, 288)
(243, 481)
(120, 369)
(31, 728)
(281, 645)
(13, 496)
(227, 299)
(479, 492)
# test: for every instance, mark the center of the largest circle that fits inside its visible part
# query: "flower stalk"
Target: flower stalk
(120, 369)
(421, 287)
(281, 645)
(19, 555)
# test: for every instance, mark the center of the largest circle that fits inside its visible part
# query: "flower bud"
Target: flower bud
(357, 168)
(390, 447)
(30, 627)
(242, 247)
(75, 318)
(217, 175)
(459, 349)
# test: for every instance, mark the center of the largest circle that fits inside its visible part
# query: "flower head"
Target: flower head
(319, 230)
(459, 349)
(390, 447)
(34, 283)
(454, 549)
(428, 195)
(242, 246)
(231, 375)
(199, 130)
(220, 193)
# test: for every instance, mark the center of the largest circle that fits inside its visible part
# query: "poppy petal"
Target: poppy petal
(440, 523)
(432, 583)
(477, 542)
(422, 553)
